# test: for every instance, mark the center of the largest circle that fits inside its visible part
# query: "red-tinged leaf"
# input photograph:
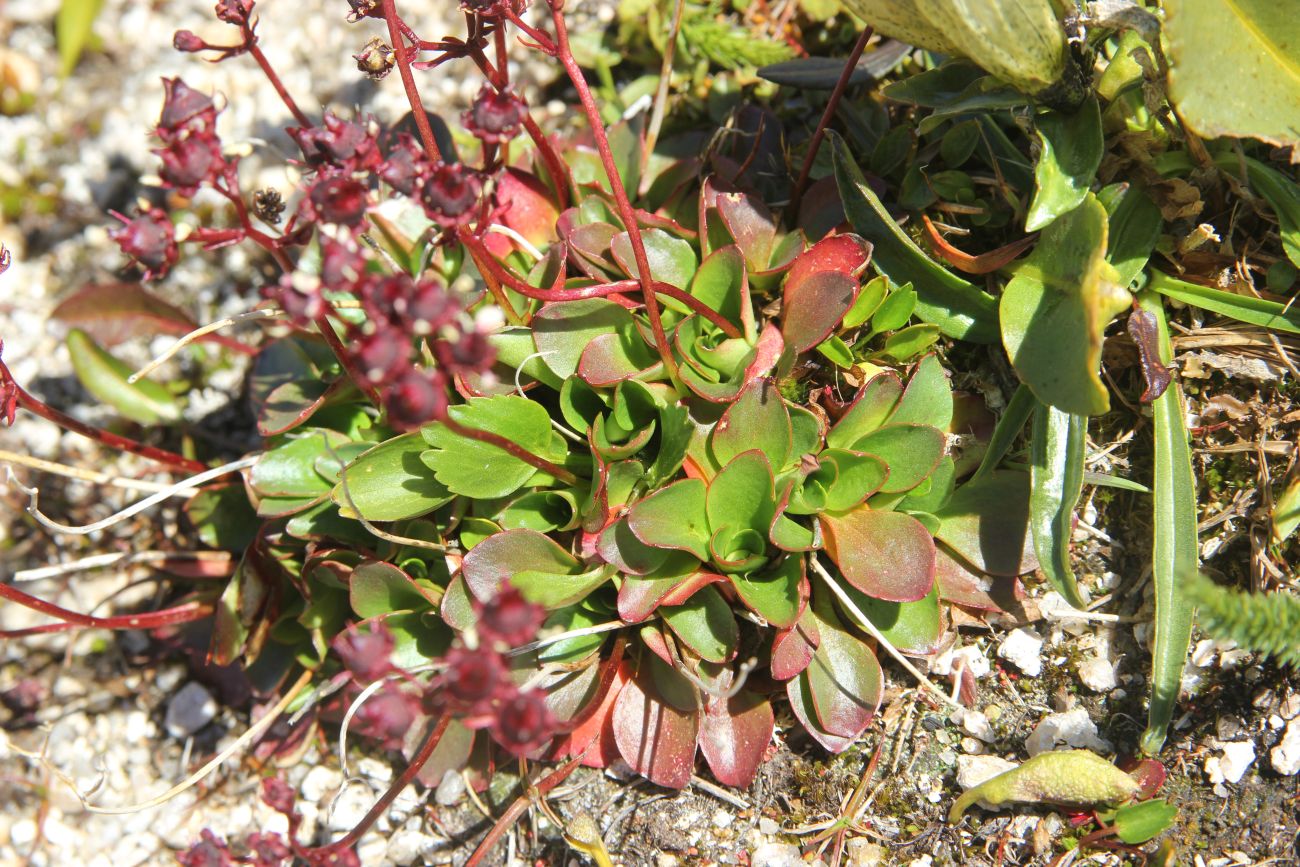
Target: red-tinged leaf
(652, 637)
(593, 735)
(888, 555)
(1150, 776)
(705, 624)
(751, 224)
(820, 209)
(844, 677)
(457, 608)
(985, 263)
(611, 358)
(770, 346)
(684, 589)
(848, 254)
(527, 208)
(814, 306)
(792, 649)
(589, 249)
(758, 419)
(987, 522)
(733, 736)
(656, 739)
(114, 312)
(1145, 332)
(870, 408)
(801, 703)
(451, 754)
(960, 586)
(491, 562)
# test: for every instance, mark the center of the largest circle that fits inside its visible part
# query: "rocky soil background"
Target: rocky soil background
(117, 720)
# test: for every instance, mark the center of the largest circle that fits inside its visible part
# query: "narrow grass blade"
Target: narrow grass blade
(1243, 308)
(1056, 481)
(1174, 551)
(1008, 428)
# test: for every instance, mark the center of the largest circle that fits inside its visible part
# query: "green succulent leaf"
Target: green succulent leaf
(674, 517)
(986, 521)
(911, 451)
(757, 419)
(773, 595)
(705, 624)
(377, 589)
(1056, 482)
(886, 555)
(389, 482)
(104, 376)
(1070, 150)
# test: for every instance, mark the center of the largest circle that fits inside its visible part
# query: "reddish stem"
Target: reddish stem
(565, 54)
(600, 290)
(518, 451)
(417, 762)
(554, 165)
(517, 808)
(275, 80)
(341, 353)
(494, 286)
(39, 407)
(400, 49)
(831, 107)
(186, 613)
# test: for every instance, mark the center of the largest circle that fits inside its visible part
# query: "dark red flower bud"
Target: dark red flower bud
(267, 849)
(413, 400)
(349, 145)
(188, 40)
(188, 163)
(510, 618)
(235, 12)
(523, 723)
(375, 59)
(387, 716)
(405, 166)
(450, 194)
(495, 117)
(472, 677)
(383, 355)
(429, 308)
(339, 199)
(368, 654)
(183, 104)
(149, 239)
(493, 8)
(278, 795)
(469, 351)
(210, 851)
(364, 9)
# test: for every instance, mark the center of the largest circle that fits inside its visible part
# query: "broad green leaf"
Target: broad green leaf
(741, 495)
(1286, 511)
(543, 511)
(1137, 823)
(376, 589)
(673, 517)
(1056, 308)
(72, 31)
(959, 308)
(390, 483)
(911, 451)
(672, 259)
(562, 331)
(1134, 228)
(886, 555)
(1070, 150)
(912, 627)
(1234, 68)
(868, 302)
(574, 649)
(1174, 552)
(1243, 308)
(837, 352)
(721, 283)
(492, 562)
(773, 595)
(705, 624)
(987, 522)
(290, 470)
(758, 419)
(223, 517)
(927, 398)
(1056, 481)
(910, 342)
(871, 406)
(418, 637)
(551, 590)
(482, 470)
(1055, 777)
(104, 376)
(516, 350)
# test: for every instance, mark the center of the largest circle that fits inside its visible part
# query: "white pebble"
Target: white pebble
(319, 783)
(1286, 755)
(1232, 765)
(1023, 648)
(977, 724)
(1072, 728)
(776, 855)
(973, 770)
(189, 710)
(1098, 674)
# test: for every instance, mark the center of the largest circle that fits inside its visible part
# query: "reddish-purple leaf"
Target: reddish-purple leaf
(960, 586)
(113, 312)
(526, 207)
(1150, 776)
(656, 739)
(792, 649)
(1145, 333)
(888, 555)
(844, 678)
(734, 734)
(611, 358)
(848, 254)
(814, 306)
(751, 224)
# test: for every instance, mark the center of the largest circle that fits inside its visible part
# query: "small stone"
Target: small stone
(776, 855)
(723, 819)
(664, 859)
(405, 847)
(1203, 653)
(1232, 765)
(864, 853)
(1023, 648)
(1290, 706)
(189, 710)
(1228, 728)
(1286, 755)
(1073, 728)
(977, 724)
(350, 807)
(972, 746)
(973, 770)
(450, 790)
(1098, 674)
(768, 826)
(320, 783)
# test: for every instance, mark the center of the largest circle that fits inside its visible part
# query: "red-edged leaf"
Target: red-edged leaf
(961, 586)
(593, 735)
(656, 739)
(733, 736)
(113, 312)
(888, 555)
(527, 208)
(751, 224)
(870, 408)
(758, 419)
(611, 358)
(673, 517)
(491, 562)
(799, 693)
(814, 306)
(1150, 775)
(792, 649)
(847, 254)
(844, 678)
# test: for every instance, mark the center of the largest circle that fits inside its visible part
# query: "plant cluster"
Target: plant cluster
(676, 453)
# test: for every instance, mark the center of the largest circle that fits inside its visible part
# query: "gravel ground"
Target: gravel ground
(121, 723)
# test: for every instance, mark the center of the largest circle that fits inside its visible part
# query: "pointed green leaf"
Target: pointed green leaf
(390, 483)
(1070, 150)
(758, 419)
(104, 376)
(1056, 481)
